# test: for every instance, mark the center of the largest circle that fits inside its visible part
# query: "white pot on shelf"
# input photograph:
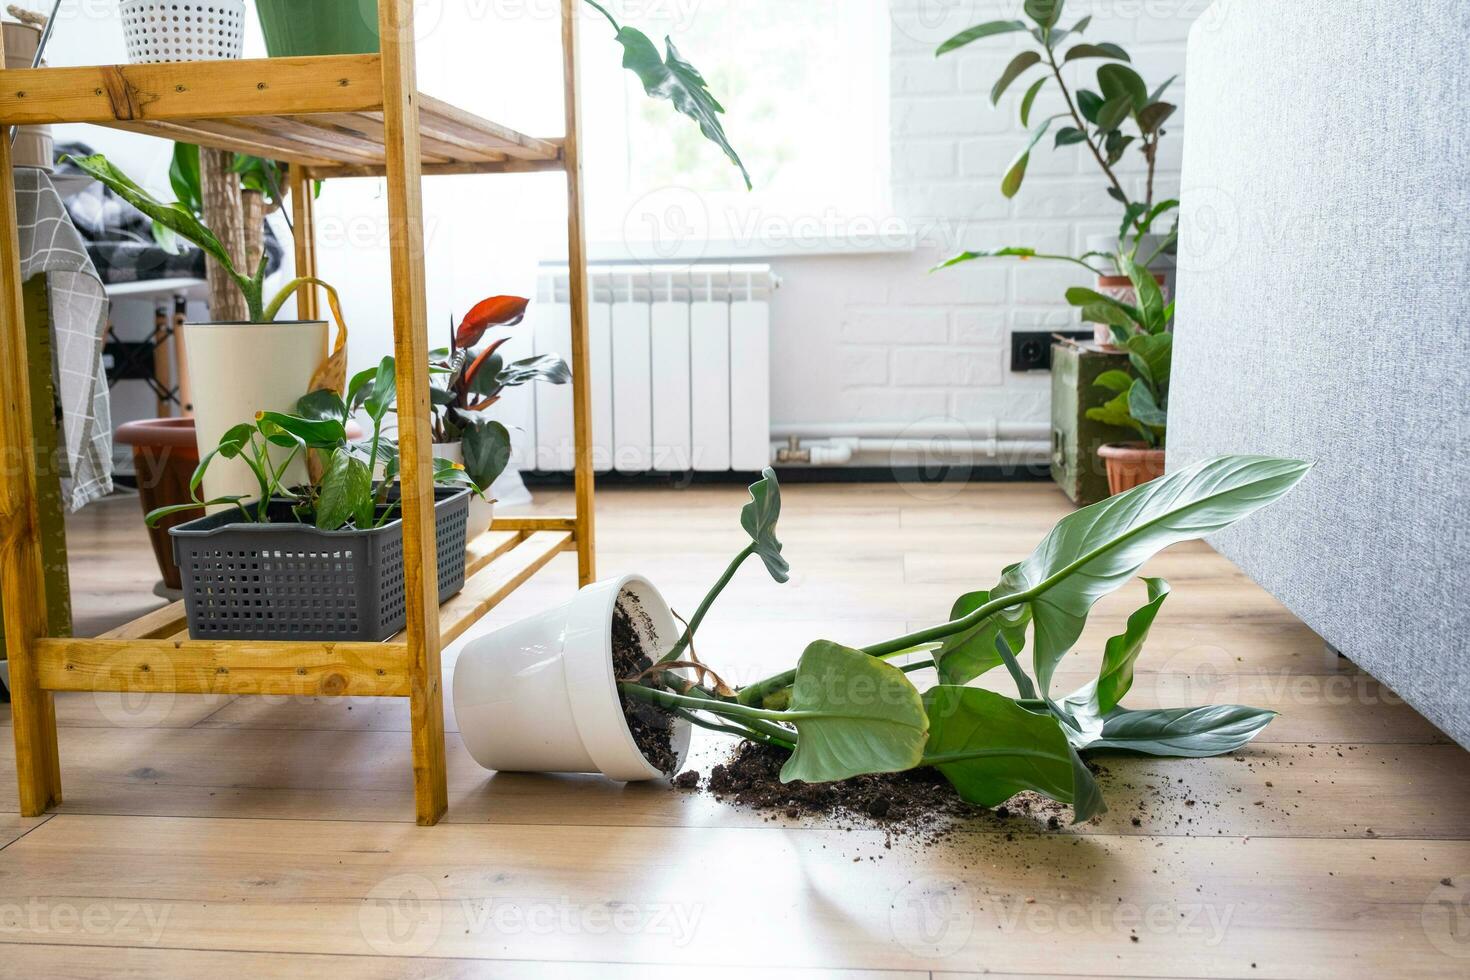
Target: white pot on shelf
(32, 145)
(482, 509)
(540, 695)
(238, 369)
(183, 30)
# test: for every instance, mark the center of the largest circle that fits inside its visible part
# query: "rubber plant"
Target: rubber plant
(844, 711)
(347, 493)
(1099, 118)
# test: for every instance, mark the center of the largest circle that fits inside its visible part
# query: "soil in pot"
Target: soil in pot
(652, 727)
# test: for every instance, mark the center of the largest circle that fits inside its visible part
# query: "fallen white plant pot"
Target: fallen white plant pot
(541, 695)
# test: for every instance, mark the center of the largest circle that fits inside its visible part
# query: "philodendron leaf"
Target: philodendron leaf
(486, 452)
(966, 656)
(677, 80)
(990, 749)
(759, 519)
(1115, 678)
(854, 714)
(1190, 732)
(972, 34)
(1093, 551)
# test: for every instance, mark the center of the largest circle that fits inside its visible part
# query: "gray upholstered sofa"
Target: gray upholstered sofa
(1324, 312)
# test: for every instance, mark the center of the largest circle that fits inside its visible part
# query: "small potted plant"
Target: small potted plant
(323, 559)
(580, 687)
(466, 383)
(1140, 400)
(236, 369)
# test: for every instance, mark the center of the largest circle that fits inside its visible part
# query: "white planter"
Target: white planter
(482, 510)
(183, 30)
(540, 696)
(238, 369)
(5, 675)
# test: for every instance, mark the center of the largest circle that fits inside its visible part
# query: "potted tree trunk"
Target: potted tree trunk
(238, 368)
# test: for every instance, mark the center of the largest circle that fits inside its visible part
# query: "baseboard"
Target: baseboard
(907, 476)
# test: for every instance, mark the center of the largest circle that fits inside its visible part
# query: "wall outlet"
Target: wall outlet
(1031, 351)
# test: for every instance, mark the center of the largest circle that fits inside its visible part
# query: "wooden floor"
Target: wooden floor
(216, 837)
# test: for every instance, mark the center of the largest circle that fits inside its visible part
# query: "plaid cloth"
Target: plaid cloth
(49, 243)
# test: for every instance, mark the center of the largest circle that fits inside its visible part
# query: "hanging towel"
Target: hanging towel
(49, 243)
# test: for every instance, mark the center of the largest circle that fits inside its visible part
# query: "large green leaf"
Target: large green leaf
(1152, 356)
(1115, 678)
(966, 656)
(1084, 297)
(1092, 552)
(1013, 71)
(177, 218)
(990, 749)
(1189, 732)
(346, 493)
(1146, 288)
(1116, 80)
(324, 405)
(979, 31)
(854, 714)
(759, 519)
(1145, 407)
(1115, 412)
(325, 433)
(677, 80)
(486, 452)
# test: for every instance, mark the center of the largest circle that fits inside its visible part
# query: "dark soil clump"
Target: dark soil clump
(651, 726)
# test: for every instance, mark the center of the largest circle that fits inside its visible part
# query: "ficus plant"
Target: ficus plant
(844, 711)
(349, 493)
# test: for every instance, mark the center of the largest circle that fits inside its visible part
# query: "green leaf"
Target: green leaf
(990, 749)
(1146, 289)
(759, 519)
(1152, 356)
(1068, 135)
(1115, 413)
(1104, 50)
(322, 434)
(1119, 80)
(360, 388)
(1158, 93)
(1115, 145)
(346, 485)
(1115, 381)
(1144, 407)
(1011, 183)
(486, 452)
(1089, 103)
(1187, 732)
(1092, 552)
(965, 656)
(322, 406)
(184, 179)
(1112, 113)
(543, 367)
(1154, 115)
(979, 31)
(678, 81)
(384, 392)
(1103, 313)
(854, 714)
(1084, 297)
(1018, 65)
(1029, 98)
(1044, 12)
(177, 218)
(1116, 675)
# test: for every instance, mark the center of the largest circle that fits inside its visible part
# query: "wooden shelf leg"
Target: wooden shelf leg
(411, 347)
(577, 279)
(303, 227)
(22, 568)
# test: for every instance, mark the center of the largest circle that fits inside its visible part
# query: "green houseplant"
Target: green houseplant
(275, 561)
(842, 711)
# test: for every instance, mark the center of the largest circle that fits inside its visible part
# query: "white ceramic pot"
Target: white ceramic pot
(482, 509)
(540, 696)
(238, 369)
(32, 145)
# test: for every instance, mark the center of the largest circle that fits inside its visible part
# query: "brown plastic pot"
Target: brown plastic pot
(165, 455)
(1131, 464)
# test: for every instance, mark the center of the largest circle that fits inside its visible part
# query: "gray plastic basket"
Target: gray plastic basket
(290, 581)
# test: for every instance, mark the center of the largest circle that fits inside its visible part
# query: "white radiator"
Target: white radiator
(681, 375)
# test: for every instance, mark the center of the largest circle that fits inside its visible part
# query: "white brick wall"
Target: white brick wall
(875, 337)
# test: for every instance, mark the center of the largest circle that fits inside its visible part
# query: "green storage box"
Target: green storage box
(1075, 438)
(300, 28)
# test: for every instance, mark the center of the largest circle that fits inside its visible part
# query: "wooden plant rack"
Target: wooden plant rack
(330, 117)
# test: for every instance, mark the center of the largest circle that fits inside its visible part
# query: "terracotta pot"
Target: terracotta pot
(1131, 464)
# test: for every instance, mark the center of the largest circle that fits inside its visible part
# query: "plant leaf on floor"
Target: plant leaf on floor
(962, 658)
(991, 748)
(1188, 732)
(759, 519)
(854, 714)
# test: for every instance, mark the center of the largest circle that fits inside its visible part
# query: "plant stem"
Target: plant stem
(738, 732)
(766, 728)
(1082, 125)
(704, 606)
(725, 709)
(947, 758)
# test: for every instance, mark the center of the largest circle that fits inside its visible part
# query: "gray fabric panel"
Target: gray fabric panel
(1324, 312)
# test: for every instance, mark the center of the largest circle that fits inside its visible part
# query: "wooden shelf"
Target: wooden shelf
(324, 114)
(154, 653)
